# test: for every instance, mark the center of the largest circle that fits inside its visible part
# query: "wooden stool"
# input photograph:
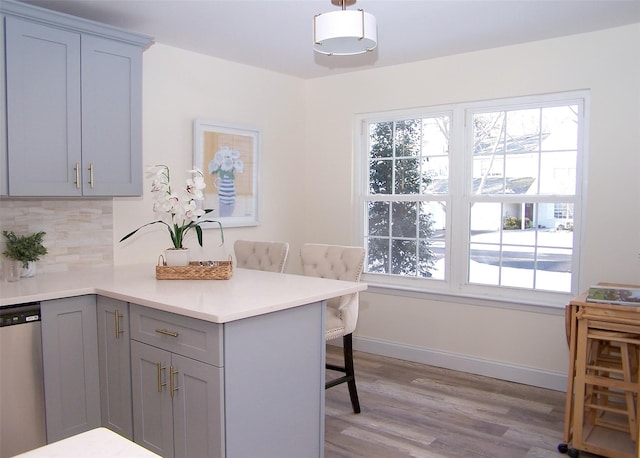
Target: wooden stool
(612, 365)
(604, 352)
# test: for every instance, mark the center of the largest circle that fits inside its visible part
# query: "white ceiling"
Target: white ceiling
(277, 34)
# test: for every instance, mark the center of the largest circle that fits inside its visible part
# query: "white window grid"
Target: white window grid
(459, 197)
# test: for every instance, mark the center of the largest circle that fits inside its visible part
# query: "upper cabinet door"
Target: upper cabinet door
(43, 109)
(111, 117)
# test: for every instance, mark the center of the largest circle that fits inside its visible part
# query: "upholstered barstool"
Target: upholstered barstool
(267, 256)
(341, 263)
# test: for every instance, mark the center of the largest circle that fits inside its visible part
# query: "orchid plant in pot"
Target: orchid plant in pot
(178, 210)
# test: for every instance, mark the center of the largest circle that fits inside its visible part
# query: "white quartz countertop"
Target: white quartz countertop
(96, 443)
(247, 293)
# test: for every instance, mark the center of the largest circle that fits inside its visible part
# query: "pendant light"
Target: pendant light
(344, 32)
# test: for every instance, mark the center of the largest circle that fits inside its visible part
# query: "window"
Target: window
(408, 163)
(475, 197)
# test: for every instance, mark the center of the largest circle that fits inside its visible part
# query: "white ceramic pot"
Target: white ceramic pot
(28, 271)
(176, 256)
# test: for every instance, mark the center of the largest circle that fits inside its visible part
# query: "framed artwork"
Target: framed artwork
(228, 155)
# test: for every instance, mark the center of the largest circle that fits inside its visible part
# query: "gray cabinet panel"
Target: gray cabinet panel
(71, 376)
(197, 409)
(152, 407)
(277, 357)
(43, 109)
(111, 117)
(115, 366)
(197, 339)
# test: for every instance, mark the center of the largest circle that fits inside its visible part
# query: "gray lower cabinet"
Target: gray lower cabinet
(177, 403)
(114, 363)
(73, 104)
(177, 382)
(71, 376)
(253, 387)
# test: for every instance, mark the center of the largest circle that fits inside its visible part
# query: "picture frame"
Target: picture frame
(229, 157)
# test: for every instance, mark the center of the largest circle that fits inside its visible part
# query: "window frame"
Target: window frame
(458, 198)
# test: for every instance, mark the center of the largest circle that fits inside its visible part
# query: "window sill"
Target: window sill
(548, 308)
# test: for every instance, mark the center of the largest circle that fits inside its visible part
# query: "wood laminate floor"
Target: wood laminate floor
(414, 410)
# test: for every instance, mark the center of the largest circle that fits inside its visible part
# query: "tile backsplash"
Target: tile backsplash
(79, 232)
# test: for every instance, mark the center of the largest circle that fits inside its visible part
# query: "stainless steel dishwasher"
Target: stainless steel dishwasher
(22, 415)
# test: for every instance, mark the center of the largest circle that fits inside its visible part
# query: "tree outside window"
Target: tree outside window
(406, 219)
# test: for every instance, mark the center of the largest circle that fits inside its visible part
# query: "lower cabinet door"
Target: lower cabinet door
(71, 376)
(152, 409)
(177, 404)
(115, 365)
(197, 408)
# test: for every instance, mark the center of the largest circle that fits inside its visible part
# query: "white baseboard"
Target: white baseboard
(510, 372)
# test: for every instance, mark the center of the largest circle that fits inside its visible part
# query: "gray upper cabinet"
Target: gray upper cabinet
(43, 109)
(111, 117)
(74, 106)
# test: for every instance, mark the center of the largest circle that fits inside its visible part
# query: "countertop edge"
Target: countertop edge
(46, 296)
(253, 293)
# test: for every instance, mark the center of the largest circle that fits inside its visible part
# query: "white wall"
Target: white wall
(307, 177)
(520, 345)
(180, 86)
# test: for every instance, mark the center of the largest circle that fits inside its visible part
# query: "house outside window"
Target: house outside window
(475, 198)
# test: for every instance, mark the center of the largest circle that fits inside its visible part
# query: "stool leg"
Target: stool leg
(348, 365)
(631, 408)
(571, 327)
(593, 352)
(636, 368)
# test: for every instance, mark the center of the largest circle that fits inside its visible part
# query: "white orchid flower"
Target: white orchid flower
(178, 210)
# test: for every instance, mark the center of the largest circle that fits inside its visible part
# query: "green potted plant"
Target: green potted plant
(25, 248)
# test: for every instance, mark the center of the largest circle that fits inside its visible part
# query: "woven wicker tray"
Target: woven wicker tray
(196, 270)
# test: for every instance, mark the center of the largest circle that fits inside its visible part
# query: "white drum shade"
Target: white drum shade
(345, 32)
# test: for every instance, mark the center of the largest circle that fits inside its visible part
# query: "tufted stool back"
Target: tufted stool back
(267, 256)
(338, 263)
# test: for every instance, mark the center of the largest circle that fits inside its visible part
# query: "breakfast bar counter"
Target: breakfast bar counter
(247, 293)
(200, 368)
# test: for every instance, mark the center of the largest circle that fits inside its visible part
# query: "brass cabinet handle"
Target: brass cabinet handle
(172, 383)
(91, 175)
(160, 369)
(119, 331)
(77, 170)
(166, 332)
